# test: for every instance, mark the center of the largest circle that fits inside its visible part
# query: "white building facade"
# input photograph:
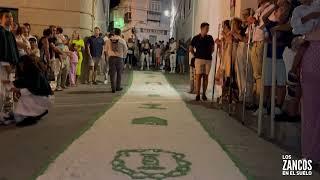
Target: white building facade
(143, 19)
(187, 16)
(82, 15)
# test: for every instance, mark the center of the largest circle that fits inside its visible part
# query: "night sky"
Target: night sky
(114, 3)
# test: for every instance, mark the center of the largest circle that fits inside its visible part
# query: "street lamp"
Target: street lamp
(167, 13)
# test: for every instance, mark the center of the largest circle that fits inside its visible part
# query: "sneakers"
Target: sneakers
(59, 89)
(293, 79)
(105, 82)
(277, 111)
(29, 121)
(204, 97)
(7, 119)
(6, 122)
(119, 89)
(264, 112)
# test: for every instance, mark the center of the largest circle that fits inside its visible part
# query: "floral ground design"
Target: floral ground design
(150, 165)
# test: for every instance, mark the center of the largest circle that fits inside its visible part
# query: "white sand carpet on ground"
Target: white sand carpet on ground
(180, 150)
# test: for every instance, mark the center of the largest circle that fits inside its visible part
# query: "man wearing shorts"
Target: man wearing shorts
(95, 46)
(202, 47)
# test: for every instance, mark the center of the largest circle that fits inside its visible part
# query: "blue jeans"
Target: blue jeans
(181, 60)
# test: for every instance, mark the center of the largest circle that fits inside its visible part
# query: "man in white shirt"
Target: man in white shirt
(116, 50)
(145, 54)
(173, 55)
(258, 42)
(106, 60)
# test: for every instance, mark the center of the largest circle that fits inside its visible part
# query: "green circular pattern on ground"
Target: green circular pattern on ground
(150, 165)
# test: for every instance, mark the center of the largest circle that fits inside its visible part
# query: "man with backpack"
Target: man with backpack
(116, 50)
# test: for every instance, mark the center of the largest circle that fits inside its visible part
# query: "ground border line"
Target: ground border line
(213, 136)
(89, 124)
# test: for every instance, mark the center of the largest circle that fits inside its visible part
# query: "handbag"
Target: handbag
(192, 64)
(50, 74)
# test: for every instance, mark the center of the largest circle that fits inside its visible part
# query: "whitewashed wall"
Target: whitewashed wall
(211, 11)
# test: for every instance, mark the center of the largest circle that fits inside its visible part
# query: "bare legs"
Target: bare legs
(204, 86)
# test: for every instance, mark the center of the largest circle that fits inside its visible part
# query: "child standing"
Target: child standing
(73, 64)
(34, 47)
(158, 56)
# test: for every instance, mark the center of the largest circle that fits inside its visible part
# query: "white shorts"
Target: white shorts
(281, 75)
(202, 66)
(95, 62)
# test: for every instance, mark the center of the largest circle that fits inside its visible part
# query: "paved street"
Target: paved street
(155, 131)
(148, 134)
(26, 152)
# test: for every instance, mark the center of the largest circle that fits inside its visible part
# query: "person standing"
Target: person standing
(145, 54)
(173, 55)
(79, 43)
(95, 49)
(130, 52)
(258, 38)
(202, 47)
(73, 64)
(9, 57)
(116, 51)
(105, 63)
(158, 56)
(181, 54)
(28, 29)
(310, 76)
(22, 42)
(34, 51)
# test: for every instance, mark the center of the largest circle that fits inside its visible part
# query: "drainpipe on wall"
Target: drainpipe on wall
(193, 17)
(94, 3)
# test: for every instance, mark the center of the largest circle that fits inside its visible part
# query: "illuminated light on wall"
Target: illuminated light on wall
(119, 23)
(167, 13)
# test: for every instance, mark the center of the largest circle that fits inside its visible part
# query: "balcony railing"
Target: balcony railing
(154, 16)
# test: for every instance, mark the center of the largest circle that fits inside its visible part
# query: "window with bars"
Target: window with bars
(155, 5)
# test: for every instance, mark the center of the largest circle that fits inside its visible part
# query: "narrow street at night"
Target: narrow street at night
(159, 90)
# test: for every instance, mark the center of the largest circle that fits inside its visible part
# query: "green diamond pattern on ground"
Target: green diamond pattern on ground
(148, 164)
(154, 95)
(150, 121)
(159, 83)
(152, 106)
(92, 157)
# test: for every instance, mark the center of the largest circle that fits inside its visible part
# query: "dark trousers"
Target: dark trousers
(129, 59)
(115, 70)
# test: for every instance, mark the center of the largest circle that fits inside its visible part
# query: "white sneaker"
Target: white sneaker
(5, 122)
(264, 112)
(106, 82)
(277, 111)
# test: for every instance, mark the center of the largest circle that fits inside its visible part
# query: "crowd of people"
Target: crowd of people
(246, 51)
(32, 68)
(170, 56)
